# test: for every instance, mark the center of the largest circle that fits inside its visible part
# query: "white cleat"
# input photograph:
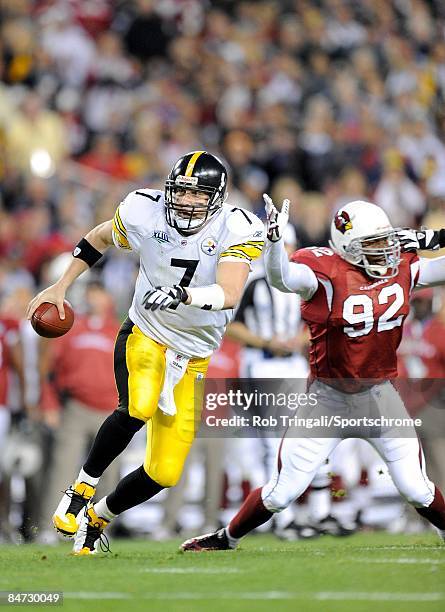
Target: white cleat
(67, 516)
(90, 534)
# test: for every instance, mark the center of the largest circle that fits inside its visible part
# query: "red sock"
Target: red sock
(435, 512)
(251, 514)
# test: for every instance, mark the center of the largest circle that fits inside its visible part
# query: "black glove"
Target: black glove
(422, 240)
(164, 297)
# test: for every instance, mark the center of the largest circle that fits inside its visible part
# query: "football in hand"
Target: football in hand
(47, 323)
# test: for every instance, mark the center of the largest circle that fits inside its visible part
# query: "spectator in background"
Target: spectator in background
(313, 226)
(351, 186)
(238, 148)
(83, 399)
(67, 44)
(105, 156)
(146, 36)
(19, 53)
(287, 187)
(253, 183)
(401, 199)
(426, 154)
(317, 145)
(35, 138)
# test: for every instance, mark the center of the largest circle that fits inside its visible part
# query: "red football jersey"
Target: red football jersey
(83, 362)
(355, 321)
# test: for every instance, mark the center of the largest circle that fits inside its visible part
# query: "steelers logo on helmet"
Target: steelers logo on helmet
(208, 246)
(362, 234)
(195, 191)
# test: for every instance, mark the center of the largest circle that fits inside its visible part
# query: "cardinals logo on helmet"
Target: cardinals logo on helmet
(343, 222)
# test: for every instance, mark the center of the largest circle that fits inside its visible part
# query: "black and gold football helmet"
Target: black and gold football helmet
(194, 175)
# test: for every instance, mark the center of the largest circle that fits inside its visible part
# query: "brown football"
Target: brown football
(47, 323)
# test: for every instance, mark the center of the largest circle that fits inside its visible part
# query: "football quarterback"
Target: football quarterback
(355, 301)
(195, 254)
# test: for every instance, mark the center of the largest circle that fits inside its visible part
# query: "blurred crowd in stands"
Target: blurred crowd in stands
(321, 101)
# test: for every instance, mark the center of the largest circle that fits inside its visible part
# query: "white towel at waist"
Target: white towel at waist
(175, 368)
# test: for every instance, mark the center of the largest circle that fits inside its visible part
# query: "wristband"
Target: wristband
(85, 251)
(211, 297)
(441, 238)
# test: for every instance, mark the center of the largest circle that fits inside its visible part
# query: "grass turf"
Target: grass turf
(357, 574)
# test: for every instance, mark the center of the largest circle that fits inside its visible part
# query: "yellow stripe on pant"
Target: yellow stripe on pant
(169, 438)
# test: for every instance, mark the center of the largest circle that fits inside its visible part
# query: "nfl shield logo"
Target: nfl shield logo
(208, 246)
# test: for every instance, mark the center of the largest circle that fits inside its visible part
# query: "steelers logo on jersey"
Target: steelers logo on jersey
(208, 246)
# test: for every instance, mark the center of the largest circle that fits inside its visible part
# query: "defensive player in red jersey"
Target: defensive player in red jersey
(355, 300)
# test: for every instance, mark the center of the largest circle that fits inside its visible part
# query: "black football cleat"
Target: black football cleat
(209, 541)
(294, 531)
(330, 525)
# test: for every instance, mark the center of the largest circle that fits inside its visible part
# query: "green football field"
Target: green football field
(364, 572)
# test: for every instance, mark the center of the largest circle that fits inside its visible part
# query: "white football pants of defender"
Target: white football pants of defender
(300, 458)
(296, 368)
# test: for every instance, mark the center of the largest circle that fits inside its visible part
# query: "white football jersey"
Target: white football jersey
(167, 258)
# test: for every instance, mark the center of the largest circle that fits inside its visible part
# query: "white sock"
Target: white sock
(102, 510)
(233, 542)
(84, 477)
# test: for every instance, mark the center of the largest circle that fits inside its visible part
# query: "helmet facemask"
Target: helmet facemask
(187, 218)
(378, 254)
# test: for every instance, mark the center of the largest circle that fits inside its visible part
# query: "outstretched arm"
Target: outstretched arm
(431, 272)
(282, 274)
(89, 249)
(287, 276)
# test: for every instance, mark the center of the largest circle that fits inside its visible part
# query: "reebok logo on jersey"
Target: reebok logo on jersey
(160, 236)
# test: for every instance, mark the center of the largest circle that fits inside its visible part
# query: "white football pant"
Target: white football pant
(300, 457)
